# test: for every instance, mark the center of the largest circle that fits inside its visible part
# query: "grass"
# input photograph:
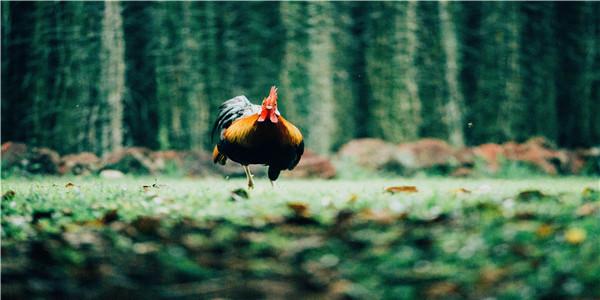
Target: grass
(202, 238)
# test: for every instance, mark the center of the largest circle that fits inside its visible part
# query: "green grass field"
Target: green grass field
(200, 238)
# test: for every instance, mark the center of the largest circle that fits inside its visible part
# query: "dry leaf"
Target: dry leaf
(239, 194)
(401, 189)
(575, 236)
(544, 230)
(441, 290)
(491, 275)
(147, 225)
(590, 194)
(299, 208)
(461, 191)
(586, 209)
(353, 198)
(110, 216)
(9, 195)
(530, 195)
(69, 185)
(378, 216)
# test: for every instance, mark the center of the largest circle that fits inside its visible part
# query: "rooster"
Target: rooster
(257, 134)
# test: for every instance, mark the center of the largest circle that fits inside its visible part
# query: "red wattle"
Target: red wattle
(263, 115)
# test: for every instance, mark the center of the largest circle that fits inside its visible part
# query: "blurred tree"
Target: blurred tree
(294, 78)
(210, 68)
(95, 76)
(497, 109)
(140, 102)
(394, 106)
(65, 75)
(468, 22)
(112, 77)
(348, 70)
(322, 121)
(16, 39)
(454, 106)
(538, 68)
(577, 81)
(430, 64)
(183, 103)
(307, 71)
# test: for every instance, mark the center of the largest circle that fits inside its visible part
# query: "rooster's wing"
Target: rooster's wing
(232, 110)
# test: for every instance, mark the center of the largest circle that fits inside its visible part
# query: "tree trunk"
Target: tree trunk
(112, 76)
(395, 108)
(454, 107)
(320, 69)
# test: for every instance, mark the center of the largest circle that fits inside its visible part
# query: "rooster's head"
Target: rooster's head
(269, 107)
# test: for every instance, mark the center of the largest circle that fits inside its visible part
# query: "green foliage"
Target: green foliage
(507, 169)
(450, 239)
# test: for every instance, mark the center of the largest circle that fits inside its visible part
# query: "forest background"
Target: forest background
(94, 76)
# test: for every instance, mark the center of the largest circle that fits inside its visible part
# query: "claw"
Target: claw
(249, 176)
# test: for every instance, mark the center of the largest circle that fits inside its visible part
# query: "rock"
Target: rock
(426, 154)
(462, 172)
(490, 154)
(537, 153)
(111, 174)
(405, 159)
(43, 161)
(465, 157)
(199, 163)
(35, 161)
(14, 155)
(83, 163)
(582, 161)
(372, 154)
(313, 165)
(135, 160)
(188, 163)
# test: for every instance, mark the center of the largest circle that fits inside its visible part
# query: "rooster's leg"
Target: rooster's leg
(249, 176)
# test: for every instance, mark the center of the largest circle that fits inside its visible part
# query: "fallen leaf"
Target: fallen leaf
(38, 215)
(544, 230)
(92, 223)
(343, 216)
(590, 194)
(110, 216)
(353, 198)
(575, 236)
(9, 195)
(586, 209)
(530, 195)
(299, 208)
(401, 189)
(525, 215)
(491, 275)
(146, 225)
(461, 191)
(69, 185)
(239, 194)
(145, 247)
(441, 290)
(378, 216)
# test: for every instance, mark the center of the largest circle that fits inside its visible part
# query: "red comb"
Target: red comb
(273, 93)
